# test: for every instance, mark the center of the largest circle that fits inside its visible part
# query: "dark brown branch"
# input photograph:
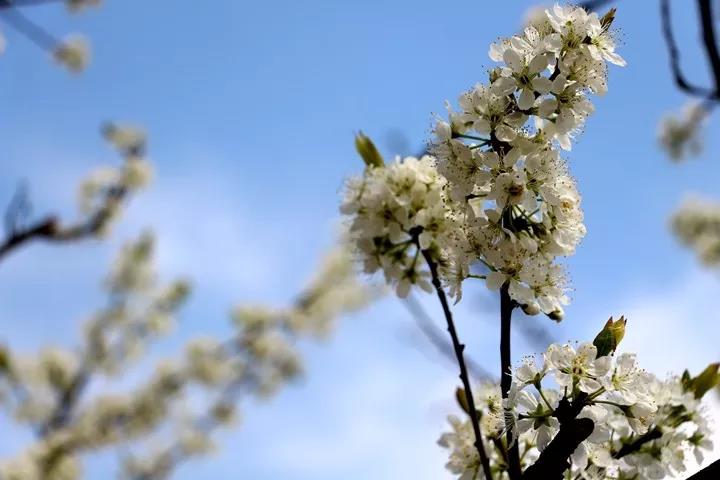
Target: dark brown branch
(437, 338)
(553, 461)
(506, 307)
(707, 22)
(25, 3)
(635, 445)
(711, 472)
(591, 5)
(674, 54)
(50, 229)
(459, 355)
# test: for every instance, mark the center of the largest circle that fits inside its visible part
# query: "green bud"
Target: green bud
(700, 385)
(367, 150)
(462, 400)
(610, 336)
(4, 359)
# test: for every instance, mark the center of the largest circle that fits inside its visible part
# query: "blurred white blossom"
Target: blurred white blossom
(697, 225)
(73, 53)
(681, 135)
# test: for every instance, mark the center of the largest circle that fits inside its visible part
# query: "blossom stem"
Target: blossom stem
(606, 402)
(472, 137)
(596, 393)
(464, 377)
(634, 446)
(506, 308)
(542, 395)
(480, 277)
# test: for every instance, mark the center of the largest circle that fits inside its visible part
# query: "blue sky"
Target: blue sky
(251, 109)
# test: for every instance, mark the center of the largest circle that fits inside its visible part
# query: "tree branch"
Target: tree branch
(674, 54)
(591, 5)
(506, 308)
(34, 32)
(711, 472)
(437, 338)
(553, 461)
(50, 229)
(707, 22)
(635, 445)
(459, 348)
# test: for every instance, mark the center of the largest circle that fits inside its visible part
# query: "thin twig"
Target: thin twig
(49, 229)
(464, 377)
(506, 308)
(34, 32)
(707, 22)
(437, 338)
(674, 54)
(591, 5)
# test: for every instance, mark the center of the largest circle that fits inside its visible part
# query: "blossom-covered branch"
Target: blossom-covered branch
(102, 197)
(603, 417)
(55, 392)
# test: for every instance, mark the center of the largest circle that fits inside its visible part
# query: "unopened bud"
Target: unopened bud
(556, 315)
(531, 309)
(610, 336)
(367, 150)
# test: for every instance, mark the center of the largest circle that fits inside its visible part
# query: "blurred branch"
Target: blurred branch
(49, 229)
(436, 337)
(707, 21)
(591, 5)
(674, 54)
(34, 32)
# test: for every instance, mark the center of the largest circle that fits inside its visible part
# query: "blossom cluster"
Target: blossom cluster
(499, 153)
(680, 135)
(643, 427)
(104, 191)
(398, 211)
(697, 225)
(495, 194)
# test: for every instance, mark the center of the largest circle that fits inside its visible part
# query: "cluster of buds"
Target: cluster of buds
(103, 193)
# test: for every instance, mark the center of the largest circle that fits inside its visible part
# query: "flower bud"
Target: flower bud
(556, 315)
(610, 336)
(367, 150)
(531, 309)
